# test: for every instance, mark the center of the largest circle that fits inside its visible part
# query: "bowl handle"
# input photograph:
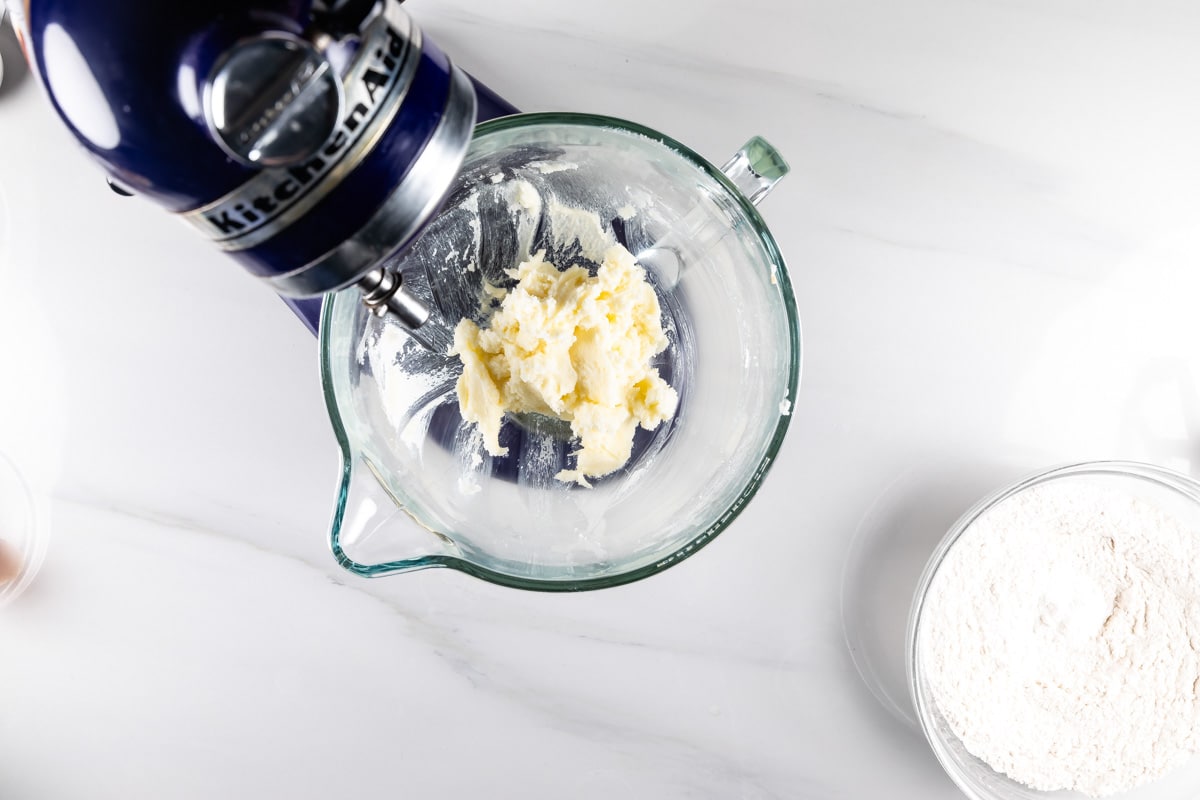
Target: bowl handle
(755, 169)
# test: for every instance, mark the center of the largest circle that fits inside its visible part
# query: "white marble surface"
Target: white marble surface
(993, 226)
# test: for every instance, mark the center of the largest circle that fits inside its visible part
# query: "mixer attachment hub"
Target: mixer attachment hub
(384, 293)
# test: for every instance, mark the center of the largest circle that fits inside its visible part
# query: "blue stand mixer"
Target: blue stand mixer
(308, 139)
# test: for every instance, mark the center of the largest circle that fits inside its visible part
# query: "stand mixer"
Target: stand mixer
(334, 152)
(307, 139)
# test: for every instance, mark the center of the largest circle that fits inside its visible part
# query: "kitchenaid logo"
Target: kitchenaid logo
(271, 193)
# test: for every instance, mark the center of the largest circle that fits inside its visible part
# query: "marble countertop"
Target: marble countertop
(992, 228)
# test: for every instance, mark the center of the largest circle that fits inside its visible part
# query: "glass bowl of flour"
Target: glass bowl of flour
(1054, 640)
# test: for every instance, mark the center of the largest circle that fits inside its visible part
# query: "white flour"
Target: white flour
(1063, 639)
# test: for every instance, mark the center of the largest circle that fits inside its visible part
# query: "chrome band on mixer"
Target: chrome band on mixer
(375, 86)
(406, 209)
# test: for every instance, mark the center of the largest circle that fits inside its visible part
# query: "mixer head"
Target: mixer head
(308, 139)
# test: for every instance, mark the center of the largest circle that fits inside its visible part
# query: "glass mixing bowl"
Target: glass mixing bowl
(23, 532)
(569, 185)
(1174, 493)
